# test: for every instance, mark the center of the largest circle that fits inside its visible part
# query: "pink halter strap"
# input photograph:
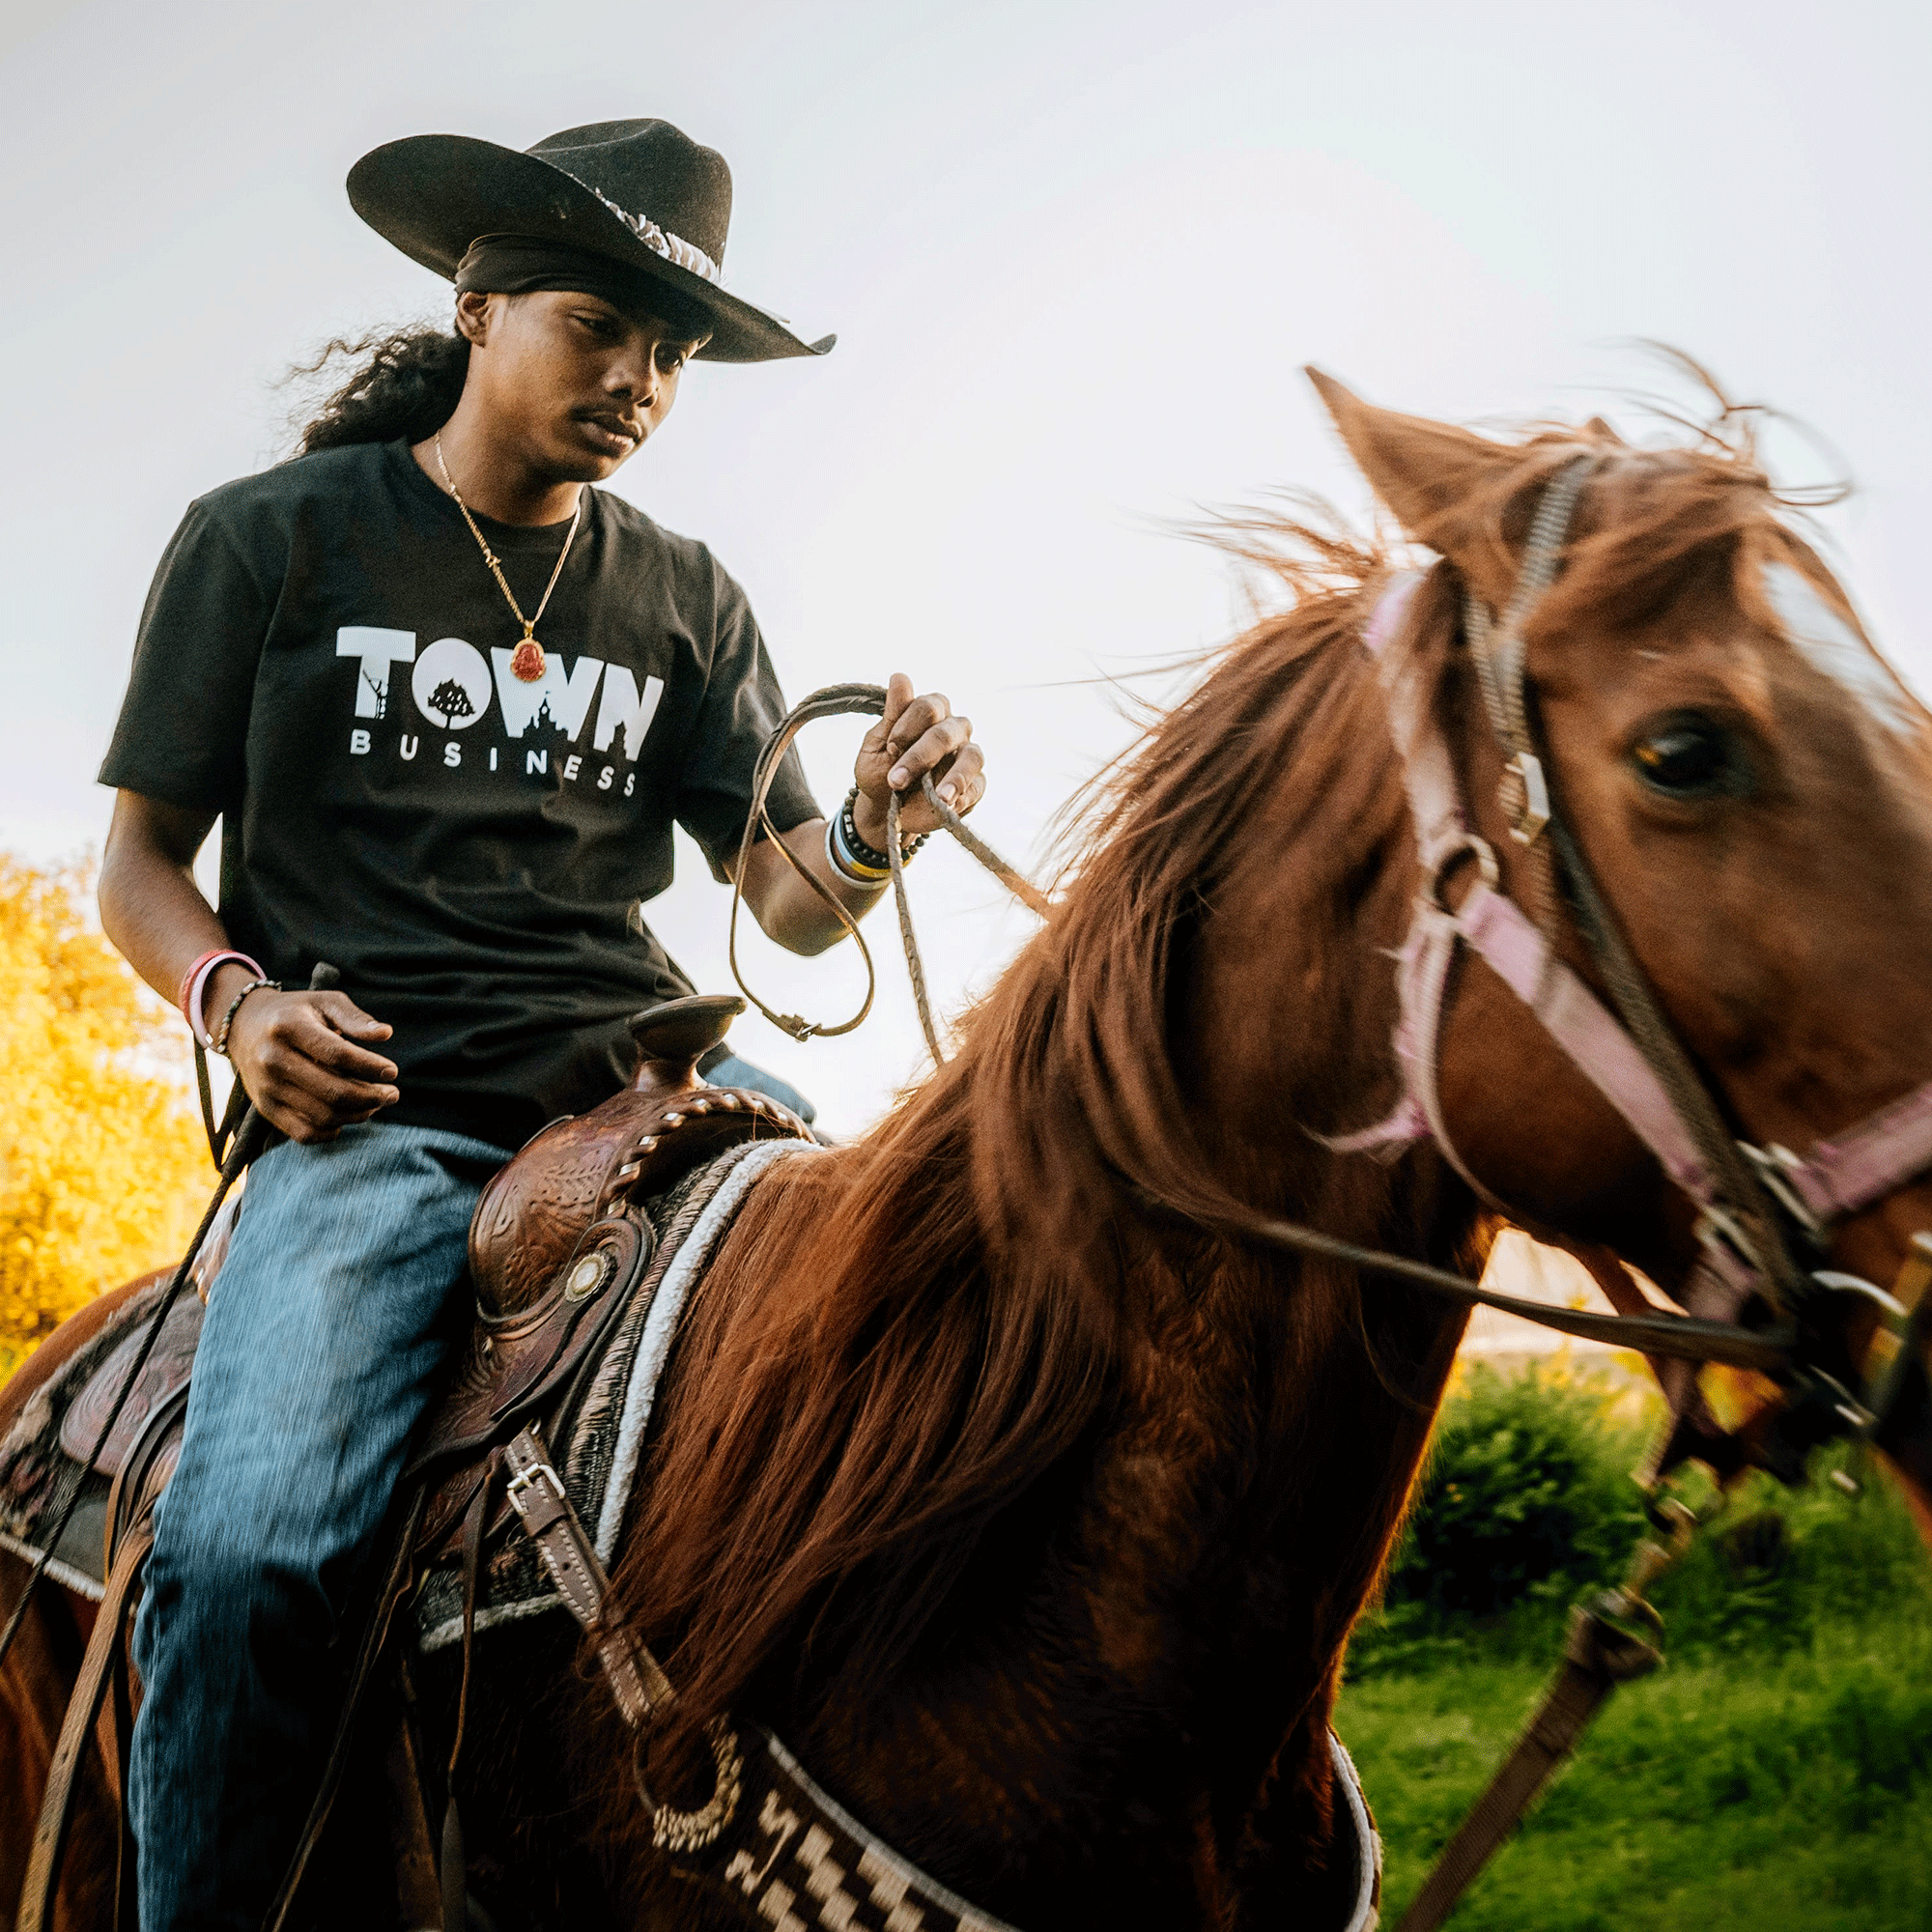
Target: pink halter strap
(1838, 1177)
(1865, 1163)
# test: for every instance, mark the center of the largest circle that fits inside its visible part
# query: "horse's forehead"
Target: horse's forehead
(1834, 646)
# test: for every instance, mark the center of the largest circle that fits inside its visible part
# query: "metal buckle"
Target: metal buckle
(1774, 1165)
(1717, 1228)
(524, 1480)
(1528, 818)
(1469, 846)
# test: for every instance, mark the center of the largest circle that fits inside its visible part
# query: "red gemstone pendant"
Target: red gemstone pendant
(526, 662)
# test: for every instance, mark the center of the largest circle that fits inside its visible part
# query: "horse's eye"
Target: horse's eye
(1688, 757)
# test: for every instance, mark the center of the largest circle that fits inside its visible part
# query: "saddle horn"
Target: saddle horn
(673, 1037)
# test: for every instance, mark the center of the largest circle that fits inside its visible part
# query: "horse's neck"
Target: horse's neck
(1161, 1621)
(1137, 1641)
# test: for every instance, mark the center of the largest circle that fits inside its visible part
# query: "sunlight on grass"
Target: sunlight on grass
(1746, 1792)
(1774, 1775)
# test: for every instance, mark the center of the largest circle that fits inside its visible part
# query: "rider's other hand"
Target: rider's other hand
(302, 1059)
(917, 735)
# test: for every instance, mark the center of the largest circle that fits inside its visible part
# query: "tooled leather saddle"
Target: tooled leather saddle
(560, 1242)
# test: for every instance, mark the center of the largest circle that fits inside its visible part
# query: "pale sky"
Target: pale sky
(1076, 255)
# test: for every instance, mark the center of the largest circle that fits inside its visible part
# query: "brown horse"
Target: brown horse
(1036, 1521)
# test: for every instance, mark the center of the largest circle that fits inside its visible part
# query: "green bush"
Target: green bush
(1528, 1490)
(1526, 1505)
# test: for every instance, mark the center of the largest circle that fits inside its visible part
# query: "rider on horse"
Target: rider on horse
(447, 703)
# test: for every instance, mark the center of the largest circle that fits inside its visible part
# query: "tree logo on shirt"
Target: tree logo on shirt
(451, 684)
(450, 699)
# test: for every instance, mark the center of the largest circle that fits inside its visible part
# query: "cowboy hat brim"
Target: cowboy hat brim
(434, 195)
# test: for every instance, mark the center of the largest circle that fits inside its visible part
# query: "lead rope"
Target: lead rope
(1601, 1651)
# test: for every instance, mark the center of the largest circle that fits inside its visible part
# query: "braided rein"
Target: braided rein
(862, 701)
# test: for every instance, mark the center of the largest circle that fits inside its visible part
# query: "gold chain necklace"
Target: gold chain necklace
(526, 661)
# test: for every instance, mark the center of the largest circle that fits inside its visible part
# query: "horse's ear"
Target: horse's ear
(1440, 481)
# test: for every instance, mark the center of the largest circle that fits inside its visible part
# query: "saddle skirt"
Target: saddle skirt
(44, 1451)
(571, 1247)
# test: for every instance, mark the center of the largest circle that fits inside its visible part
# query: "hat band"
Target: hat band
(674, 249)
(515, 265)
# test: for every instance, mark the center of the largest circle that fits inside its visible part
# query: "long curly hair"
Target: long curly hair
(404, 385)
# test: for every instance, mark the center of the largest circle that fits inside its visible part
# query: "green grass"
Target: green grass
(1782, 1793)
(1775, 1777)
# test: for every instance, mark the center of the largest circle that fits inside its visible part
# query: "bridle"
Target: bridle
(1757, 1292)
(1765, 1214)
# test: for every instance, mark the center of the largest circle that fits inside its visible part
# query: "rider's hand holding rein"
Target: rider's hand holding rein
(917, 735)
(306, 1058)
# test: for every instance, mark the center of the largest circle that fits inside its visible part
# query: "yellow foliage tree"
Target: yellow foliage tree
(103, 1168)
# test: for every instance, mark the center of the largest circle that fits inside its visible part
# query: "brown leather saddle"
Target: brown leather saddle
(558, 1244)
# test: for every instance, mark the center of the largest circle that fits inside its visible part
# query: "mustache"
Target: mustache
(612, 419)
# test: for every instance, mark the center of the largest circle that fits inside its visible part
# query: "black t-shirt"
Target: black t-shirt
(325, 659)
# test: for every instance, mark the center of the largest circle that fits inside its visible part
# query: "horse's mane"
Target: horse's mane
(903, 1337)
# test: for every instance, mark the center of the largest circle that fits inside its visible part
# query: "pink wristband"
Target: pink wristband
(195, 990)
(188, 978)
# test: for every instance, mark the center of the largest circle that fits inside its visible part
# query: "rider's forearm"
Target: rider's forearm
(150, 905)
(786, 907)
(311, 1060)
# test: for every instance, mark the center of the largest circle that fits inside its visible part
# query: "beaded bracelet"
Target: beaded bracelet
(868, 857)
(218, 1043)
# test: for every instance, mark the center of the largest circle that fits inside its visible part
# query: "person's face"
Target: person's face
(574, 385)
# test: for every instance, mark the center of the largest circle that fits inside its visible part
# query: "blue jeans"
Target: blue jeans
(325, 1334)
(731, 1071)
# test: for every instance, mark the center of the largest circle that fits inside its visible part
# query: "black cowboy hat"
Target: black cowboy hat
(639, 193)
